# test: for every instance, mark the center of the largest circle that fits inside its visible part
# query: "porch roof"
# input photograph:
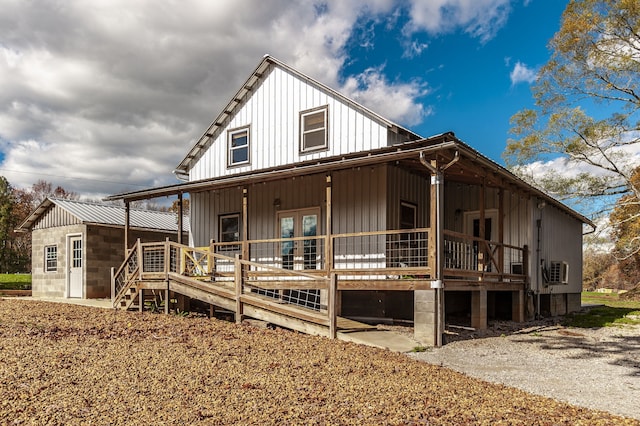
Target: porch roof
(442, 147)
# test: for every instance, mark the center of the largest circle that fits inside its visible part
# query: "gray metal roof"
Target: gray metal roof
(107, 214)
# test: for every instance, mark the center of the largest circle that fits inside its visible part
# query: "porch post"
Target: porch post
(245, 224)
(482, 232)
(501, 231)
(428, 304)
(479, 309)
(127, 214)
(328, 245)
(180, 213)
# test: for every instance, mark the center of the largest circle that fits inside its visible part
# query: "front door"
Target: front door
(75, 266)
(300, 254)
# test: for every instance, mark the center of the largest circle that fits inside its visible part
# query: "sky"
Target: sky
(108, 96)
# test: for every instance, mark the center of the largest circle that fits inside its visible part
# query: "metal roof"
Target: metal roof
(108, 214)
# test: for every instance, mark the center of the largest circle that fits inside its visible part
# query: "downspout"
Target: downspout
(437, 179)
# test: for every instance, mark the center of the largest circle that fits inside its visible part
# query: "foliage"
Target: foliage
(595, 266)
(595, 65)
(15, 206)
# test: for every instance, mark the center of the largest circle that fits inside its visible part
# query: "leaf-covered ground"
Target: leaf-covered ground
(65, 364)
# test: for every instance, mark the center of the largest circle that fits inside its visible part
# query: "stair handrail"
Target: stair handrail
(128, 274)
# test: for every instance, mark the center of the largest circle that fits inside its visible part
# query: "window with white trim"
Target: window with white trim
(238, 146)
(313, 130)
(51, 258)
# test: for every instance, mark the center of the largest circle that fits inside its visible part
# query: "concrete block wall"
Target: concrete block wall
(424, 317)
(50, 284)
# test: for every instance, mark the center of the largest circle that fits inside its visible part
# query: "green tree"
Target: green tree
(8, 222)
(587, 105)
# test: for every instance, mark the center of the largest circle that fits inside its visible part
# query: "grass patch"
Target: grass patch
(613, 313)
(15, 281)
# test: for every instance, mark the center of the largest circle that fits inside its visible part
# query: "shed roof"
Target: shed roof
(107, 214)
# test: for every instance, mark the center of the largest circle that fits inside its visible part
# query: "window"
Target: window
(229, 229)
(238, 142)
(407, 215)
(313, 130)
(51, 258)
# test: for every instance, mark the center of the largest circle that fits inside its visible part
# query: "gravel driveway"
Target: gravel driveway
(594, 368)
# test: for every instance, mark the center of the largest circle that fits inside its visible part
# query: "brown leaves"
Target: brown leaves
(63, 364)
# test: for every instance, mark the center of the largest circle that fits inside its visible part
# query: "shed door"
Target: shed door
(75, 266)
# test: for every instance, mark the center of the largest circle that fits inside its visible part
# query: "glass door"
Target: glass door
(300, 254)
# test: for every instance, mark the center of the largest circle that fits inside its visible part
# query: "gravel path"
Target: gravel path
(593, 368)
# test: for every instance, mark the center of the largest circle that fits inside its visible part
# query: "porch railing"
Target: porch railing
(243, 279)
(472, 257)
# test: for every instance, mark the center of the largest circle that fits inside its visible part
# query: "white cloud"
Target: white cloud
(479, 18)
(372, 89)
(117, 91)
(522, 74)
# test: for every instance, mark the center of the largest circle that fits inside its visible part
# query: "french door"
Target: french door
(300, 254)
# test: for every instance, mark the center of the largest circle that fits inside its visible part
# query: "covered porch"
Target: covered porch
(445, 222)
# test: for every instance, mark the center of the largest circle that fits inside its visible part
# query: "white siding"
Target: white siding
(560, 240)
(272, 112)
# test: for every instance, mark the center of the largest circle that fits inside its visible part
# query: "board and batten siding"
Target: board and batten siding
(560, 240)
(411, 188)
(55, 217)
(272, 113)
(358, 201)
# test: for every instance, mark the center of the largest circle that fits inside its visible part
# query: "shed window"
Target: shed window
(229, 229)
(238, 142)
(313, 130)
(51, 258)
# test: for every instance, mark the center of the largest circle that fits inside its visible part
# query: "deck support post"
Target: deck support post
(239, 287)
(479, 309)
(332, 307)
(517, 305)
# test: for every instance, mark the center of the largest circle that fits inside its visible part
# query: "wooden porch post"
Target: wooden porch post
(239, 288)
(328, 246)
(501, 231)
(245, 224)
(180, 213)
(127, 217)
(481, 229)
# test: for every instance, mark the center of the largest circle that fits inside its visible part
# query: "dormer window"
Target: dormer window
(313, 130)
(238, 146)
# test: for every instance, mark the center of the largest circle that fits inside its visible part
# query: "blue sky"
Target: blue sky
(108, 96)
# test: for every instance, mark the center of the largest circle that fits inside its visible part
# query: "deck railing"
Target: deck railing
(472, 257)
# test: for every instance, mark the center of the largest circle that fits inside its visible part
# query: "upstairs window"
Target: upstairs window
(51, 258)
(238, 143)
(313, 130)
